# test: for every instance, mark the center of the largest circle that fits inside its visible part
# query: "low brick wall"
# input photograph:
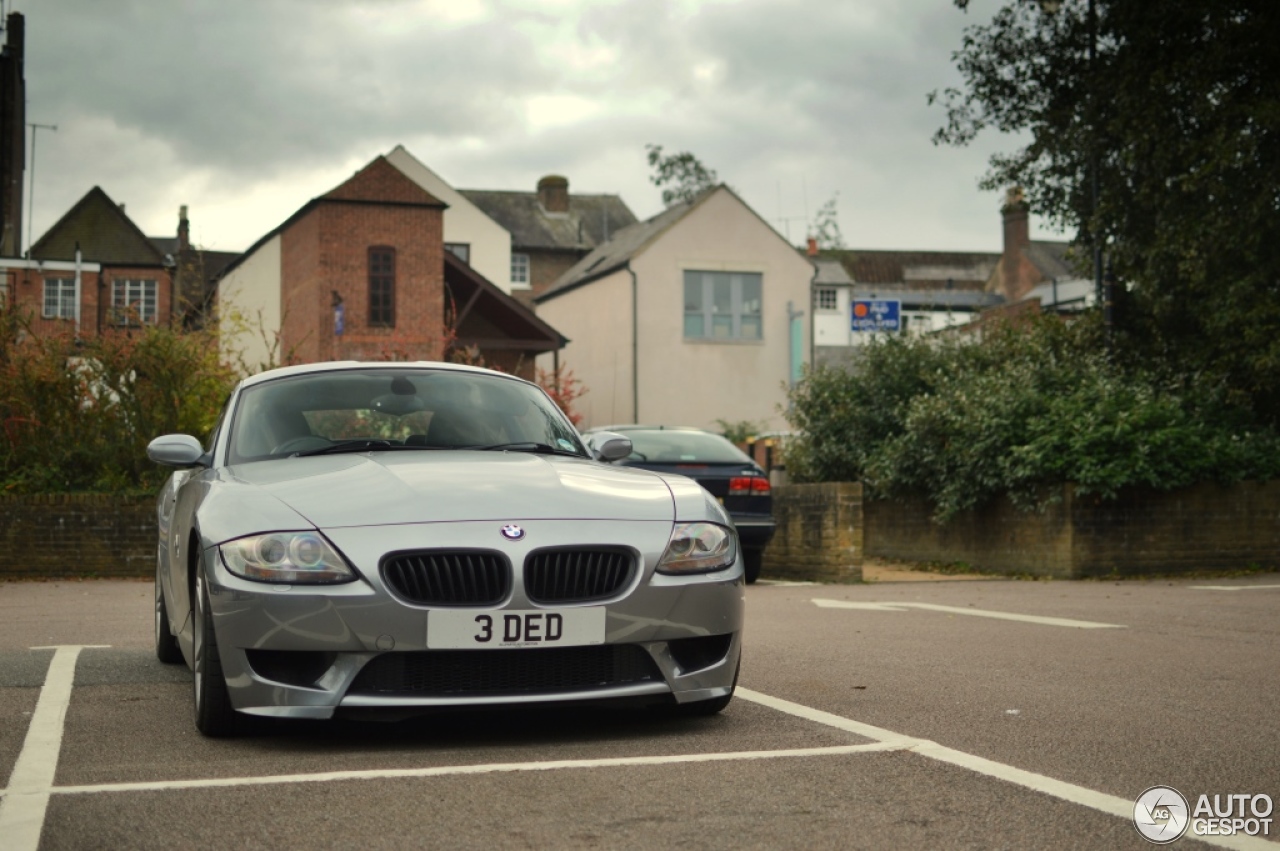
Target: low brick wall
(54, 535)
(819, 533)
(1204, 527)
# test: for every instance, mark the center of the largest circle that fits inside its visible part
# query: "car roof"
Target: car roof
(356, 366)
(648, 428)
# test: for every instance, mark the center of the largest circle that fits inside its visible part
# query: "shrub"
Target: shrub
(78, 414)
(1020, 413)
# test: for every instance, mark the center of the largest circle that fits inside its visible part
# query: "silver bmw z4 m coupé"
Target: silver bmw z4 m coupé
(397, 537)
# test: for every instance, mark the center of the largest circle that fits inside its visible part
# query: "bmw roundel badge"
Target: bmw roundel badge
(512, 532)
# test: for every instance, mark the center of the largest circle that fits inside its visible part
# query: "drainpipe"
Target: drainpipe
(78, 291)
(813, 289)
(635, 346)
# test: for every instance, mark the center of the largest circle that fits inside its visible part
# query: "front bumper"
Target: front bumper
(343, 629)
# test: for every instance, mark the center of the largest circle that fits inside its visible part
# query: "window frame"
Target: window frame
(461, 250)
(382, 286)
(524, 279)
(63, 303)
(820, 299)
(739, 299)
(148, 298)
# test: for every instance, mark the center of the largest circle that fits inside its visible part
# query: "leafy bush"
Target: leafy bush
(1022, 412)
(77, 414)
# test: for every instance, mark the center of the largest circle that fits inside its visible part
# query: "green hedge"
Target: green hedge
(1027, 407)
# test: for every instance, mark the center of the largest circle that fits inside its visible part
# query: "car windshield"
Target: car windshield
(683, 447)
(391, 409)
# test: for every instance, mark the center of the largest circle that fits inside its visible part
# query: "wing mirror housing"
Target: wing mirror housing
(609, 445)
(177, 450)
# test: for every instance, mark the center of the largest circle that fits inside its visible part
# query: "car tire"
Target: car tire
(752, 560)
(167, 650)
(214, 714)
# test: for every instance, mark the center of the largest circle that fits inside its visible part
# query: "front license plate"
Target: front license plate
(462, 629)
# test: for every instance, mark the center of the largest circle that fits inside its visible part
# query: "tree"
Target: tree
(683, 173)
(826, 225)
(1154, 129)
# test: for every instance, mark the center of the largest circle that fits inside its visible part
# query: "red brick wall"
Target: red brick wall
(327, 251)
(27, 294)
(77, 535)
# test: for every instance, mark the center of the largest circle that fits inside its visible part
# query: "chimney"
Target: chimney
(1015, 271)
(1017, 228)
(553, 193)
(184, 229)
(813, 246)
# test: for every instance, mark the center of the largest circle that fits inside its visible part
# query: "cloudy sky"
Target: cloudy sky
(245, 109)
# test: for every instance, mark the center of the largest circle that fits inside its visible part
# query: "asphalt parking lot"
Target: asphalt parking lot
(886, 715)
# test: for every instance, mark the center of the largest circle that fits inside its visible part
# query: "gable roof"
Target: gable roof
(918, 269)
(103, 232)
(629, 242)
(476, 297)
(590, 221)
(379, 182)
(1052, 259)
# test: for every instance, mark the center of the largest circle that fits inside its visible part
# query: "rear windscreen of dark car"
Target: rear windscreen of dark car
(683, 447)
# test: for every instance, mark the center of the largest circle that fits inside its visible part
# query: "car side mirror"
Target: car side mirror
(177, 450)
(609, 445)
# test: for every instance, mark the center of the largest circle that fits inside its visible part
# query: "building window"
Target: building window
(133, 301)
(824, 298)
(59, 298)
(722, 306)
(382, 287)
(461, 250)
(520, 269)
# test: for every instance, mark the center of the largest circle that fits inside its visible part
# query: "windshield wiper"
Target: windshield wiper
(526, 446)
(366, 445)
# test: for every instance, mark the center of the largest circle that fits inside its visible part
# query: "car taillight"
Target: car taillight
(748, 486)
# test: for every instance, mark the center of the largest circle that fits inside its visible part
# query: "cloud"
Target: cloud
(245, 109)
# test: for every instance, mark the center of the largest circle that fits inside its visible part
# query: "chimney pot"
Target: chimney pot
(553, 193)
(813, 246)
(184, 229)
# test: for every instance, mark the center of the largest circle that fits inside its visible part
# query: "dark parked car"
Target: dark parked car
(726, 472)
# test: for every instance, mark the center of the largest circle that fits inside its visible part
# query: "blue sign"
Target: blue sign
(339, 319)
(877, 315)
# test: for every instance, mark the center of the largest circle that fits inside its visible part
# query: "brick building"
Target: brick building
(361, 273)
(93, 271)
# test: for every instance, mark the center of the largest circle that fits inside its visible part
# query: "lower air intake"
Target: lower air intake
(459, 673)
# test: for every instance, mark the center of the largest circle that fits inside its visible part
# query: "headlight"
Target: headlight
(699, 548)
(293, 557)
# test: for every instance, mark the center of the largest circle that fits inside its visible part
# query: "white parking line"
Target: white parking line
(1229, 587)
(1094, 800)
(485, 768)
(24, 803)
(957, 610)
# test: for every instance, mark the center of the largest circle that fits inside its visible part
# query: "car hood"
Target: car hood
(426, 486)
